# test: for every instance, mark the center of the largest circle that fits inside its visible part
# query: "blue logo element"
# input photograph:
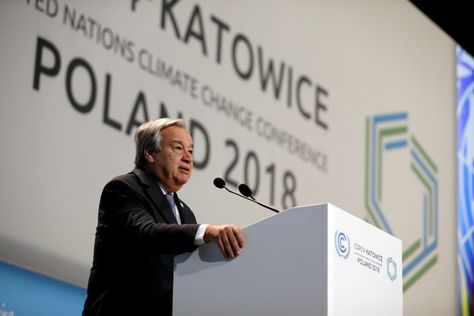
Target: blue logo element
(388, 134)
(343, 245)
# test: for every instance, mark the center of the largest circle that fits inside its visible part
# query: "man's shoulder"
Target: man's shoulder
(125, 177)
(129, 179)
(135, 178)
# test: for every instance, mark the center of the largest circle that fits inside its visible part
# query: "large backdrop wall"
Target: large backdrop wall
(348, 102)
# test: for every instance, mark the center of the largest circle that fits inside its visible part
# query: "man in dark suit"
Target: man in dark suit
(143, 224)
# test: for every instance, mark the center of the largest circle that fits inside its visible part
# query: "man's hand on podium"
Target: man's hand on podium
(228, 238)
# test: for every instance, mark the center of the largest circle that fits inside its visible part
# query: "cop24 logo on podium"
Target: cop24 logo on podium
(343, 244)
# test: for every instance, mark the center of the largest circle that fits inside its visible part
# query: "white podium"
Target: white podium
(311, 260)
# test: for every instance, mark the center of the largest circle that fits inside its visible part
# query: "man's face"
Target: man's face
(173, 163)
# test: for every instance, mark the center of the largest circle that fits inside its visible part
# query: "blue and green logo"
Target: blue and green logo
(391, 269)
(399, 171)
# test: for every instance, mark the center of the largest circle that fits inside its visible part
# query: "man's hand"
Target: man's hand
(228, 238)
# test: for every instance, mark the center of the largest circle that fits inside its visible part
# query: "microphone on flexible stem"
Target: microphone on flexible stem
(220, 183)
(247, 192)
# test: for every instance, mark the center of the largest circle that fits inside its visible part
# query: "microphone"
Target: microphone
(219, 183)
(245, 190)
(246, 194)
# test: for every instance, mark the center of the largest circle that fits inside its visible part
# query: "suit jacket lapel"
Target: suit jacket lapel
(155, 194)
(187, 217)
(180, 208)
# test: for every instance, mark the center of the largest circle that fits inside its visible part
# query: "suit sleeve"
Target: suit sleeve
(124, 215)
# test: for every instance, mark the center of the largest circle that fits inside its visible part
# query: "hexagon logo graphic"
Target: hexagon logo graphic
(391, 269)
(401, 185)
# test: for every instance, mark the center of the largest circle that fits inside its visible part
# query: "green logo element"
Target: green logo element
(398, 169)
(391, 269)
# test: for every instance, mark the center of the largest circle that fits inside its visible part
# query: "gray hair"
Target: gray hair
(147, 137)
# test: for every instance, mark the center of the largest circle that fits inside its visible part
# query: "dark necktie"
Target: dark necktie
(174, 209)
